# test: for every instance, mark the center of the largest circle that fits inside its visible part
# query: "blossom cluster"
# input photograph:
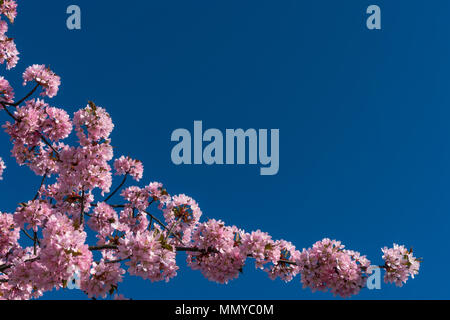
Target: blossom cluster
(327, 265)
(45, 77)
(126, 165)
(8, 50)
(33, 214)
(71, 203)
(2, 168)
(6, 91)
(9, 234)
(182, 214)
(220, 258)
(151, 256)
(103, 277)
(400, 264)
(34, 122)
(9, 9)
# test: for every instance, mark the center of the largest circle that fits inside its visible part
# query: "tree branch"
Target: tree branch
(117, 189)
(15, 104)
(40, 186)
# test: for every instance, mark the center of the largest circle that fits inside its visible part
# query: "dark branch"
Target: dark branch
(117, 189)
(15, 104)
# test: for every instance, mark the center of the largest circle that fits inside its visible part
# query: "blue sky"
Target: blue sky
(363, 118)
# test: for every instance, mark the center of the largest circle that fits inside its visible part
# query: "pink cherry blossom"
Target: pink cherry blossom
(103, 278)
(8, 50)
(282, 268)
(182, 215)
(6, 91)
(151, 255)
(2, 168)
(328, 266)
(33, 214)
(104, 219)
(64, 249)
(136, 197)
(400, 264)
(45, 77)
(9, 233)
(9, 9)
(57, 125)
(261, 247)
(126, 165)
(92, 124)
(220, 258)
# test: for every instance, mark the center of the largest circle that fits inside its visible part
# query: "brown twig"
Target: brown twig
(117, 189)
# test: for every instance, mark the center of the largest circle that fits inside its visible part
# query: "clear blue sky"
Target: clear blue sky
(363, 118)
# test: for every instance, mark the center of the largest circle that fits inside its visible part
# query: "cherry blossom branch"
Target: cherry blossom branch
(42, 137)
(8, 112)
(40, 186)
(118, 261)
(7, 266)
(27, 234)
(37, 129)
(173, 227)
(104, 247)
(35, 240)
(50, 145)
(82, 208)
(117, 189)
(178, 249)
(15, 104)
(162, 225)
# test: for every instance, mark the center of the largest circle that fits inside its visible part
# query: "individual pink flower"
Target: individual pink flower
(33, 214)
(400, 264)
(104, 219)
(220, 258)
(85, 168)
(29, 120)
(2, 168)
(132, 220)
(64, 249)
(35, 120)
(48, 80)
(9, 233)
(261, 247)
(137, 197)
(158, 194)
(92, 124)
(6, 91)
(38, 157)
(284, 268)
(38, 117)
(182, 215)
(8, 50)
(328, 266)
(9, 9)
(126, 165)
(151, 255)
(103, 278)
(57, 125)
(29, 277)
